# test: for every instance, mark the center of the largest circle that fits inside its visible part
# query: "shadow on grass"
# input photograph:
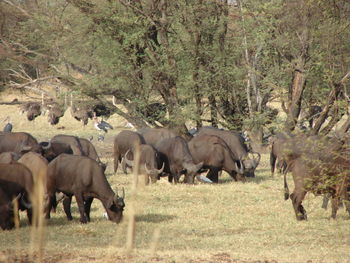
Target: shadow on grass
(154, 218)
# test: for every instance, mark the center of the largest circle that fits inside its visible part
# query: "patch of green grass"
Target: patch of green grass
(197, 223)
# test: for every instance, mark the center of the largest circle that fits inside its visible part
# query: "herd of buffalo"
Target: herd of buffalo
(69, 165)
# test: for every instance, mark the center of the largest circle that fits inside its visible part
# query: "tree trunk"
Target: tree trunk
(295, 97)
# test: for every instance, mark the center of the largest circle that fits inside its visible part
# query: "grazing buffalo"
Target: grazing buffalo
(16, 181)
(318, 165)
(82, 177)
(237, 145)
(216, 156)
(53, 149)
(149, 162)
(152, 136)
(124, 141)
(72, 141)
(6, 211)
(9, 157)
(178, 159)
(19, 142)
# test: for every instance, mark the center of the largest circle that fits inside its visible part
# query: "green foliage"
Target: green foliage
(184, 52)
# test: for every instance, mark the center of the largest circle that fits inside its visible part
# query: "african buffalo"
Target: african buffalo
(178, 159)
(124, 141)
(237, 145)
(19, 142)
(82, 177)
(149, 162)
(318, 165)
(16, 181)
(154, 135)
(216, 156)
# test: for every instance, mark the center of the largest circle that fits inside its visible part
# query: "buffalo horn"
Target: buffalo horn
(16, 198)
(26, 148)
(48, 145)
(128, 162)
(155, 170)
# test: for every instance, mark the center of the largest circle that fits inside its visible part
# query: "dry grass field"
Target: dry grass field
(228, 222)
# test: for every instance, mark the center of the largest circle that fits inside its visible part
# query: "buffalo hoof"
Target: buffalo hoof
(70, 218)
(83, 220)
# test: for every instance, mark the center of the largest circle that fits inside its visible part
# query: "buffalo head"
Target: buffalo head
(153, 173)
(7, 216)
(250, 164)
(115, 207)
(190, 171)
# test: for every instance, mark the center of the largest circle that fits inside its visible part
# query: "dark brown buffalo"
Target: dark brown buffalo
(72, 141)
(124, 141)
(18, 142)
(82, 177)
(178, 159)
(216, 156)
(52, 149)
(16, 181)
(149, 163)
(154, 135)
(237, 145)
(318, 165)
(6, 211)
(9, 157)
(90, 151)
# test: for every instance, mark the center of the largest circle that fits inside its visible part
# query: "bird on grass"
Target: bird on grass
(102, 125)
(8, 127)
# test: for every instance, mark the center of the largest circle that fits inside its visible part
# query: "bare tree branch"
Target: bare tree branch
(23, 11)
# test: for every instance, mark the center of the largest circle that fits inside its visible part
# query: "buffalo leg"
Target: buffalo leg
(213, 175)
(80, 201)
(30, 215)
(66, 207)
(51, 200)
(124, 166)
(116, 162)
(87, 207)
(297, 199)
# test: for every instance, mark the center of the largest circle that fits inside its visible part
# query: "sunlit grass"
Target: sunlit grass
(196, 223)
